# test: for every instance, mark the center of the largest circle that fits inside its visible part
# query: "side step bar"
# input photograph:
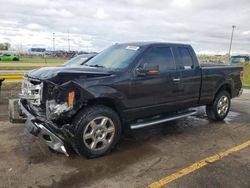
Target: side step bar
(162, 120)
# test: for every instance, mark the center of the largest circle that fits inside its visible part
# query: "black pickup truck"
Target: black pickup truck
(130, 85)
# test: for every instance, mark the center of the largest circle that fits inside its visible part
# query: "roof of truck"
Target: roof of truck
(153, 43)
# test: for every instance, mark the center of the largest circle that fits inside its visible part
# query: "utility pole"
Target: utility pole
(54, 42)
(231, 41)
(68, 42)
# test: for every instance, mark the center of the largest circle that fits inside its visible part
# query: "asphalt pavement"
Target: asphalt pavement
(142, 158)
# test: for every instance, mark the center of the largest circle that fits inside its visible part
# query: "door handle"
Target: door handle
(176, 79)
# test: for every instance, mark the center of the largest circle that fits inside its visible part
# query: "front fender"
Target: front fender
(104, 91)
(84, 95)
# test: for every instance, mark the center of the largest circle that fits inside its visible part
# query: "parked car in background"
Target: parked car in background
(239, 59)
(78, 60)
(8, 57)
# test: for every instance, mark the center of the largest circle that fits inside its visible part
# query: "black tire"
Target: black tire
(81, 123)
(214, 112)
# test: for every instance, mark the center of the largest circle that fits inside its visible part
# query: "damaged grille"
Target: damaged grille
(32, 91)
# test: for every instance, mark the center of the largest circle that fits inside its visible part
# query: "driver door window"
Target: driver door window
(161, 57)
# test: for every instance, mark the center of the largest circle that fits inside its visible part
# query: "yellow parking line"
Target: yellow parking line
(12, 76)
(197, 165)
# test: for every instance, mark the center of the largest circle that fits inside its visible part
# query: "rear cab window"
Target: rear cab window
(186, 59)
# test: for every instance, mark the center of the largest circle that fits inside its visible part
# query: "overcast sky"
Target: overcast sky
(96, 24)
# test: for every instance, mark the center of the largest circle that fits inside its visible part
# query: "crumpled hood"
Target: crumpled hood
(67, 73)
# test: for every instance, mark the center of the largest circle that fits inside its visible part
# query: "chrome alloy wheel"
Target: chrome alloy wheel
(99, 133)
(222, 106)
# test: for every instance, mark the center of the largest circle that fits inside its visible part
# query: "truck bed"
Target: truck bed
(216, 65)
(213, 76)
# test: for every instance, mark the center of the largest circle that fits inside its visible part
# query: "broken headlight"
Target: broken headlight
(54, 109)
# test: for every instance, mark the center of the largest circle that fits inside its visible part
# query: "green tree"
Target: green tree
(4, 46)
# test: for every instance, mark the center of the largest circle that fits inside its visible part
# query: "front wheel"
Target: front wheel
(218, 110)
(97, 130)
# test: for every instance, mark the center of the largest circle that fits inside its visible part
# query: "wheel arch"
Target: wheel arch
(105, 101)
(224, 87)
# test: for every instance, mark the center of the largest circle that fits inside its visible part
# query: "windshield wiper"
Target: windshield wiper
(96, 65)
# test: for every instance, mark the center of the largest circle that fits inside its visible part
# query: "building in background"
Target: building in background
(37, 50)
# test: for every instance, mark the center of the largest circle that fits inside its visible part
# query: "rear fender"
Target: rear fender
(227, 86)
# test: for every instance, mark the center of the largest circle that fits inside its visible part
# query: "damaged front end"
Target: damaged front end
(49, 108)
(44, 129)
(51, 97)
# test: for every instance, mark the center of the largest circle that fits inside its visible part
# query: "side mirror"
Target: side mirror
(147, 70)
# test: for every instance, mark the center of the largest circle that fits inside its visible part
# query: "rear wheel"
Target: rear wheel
(218, 110)
(97, 130)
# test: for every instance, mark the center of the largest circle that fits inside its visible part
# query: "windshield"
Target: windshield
(78, 60)
(116, 57)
